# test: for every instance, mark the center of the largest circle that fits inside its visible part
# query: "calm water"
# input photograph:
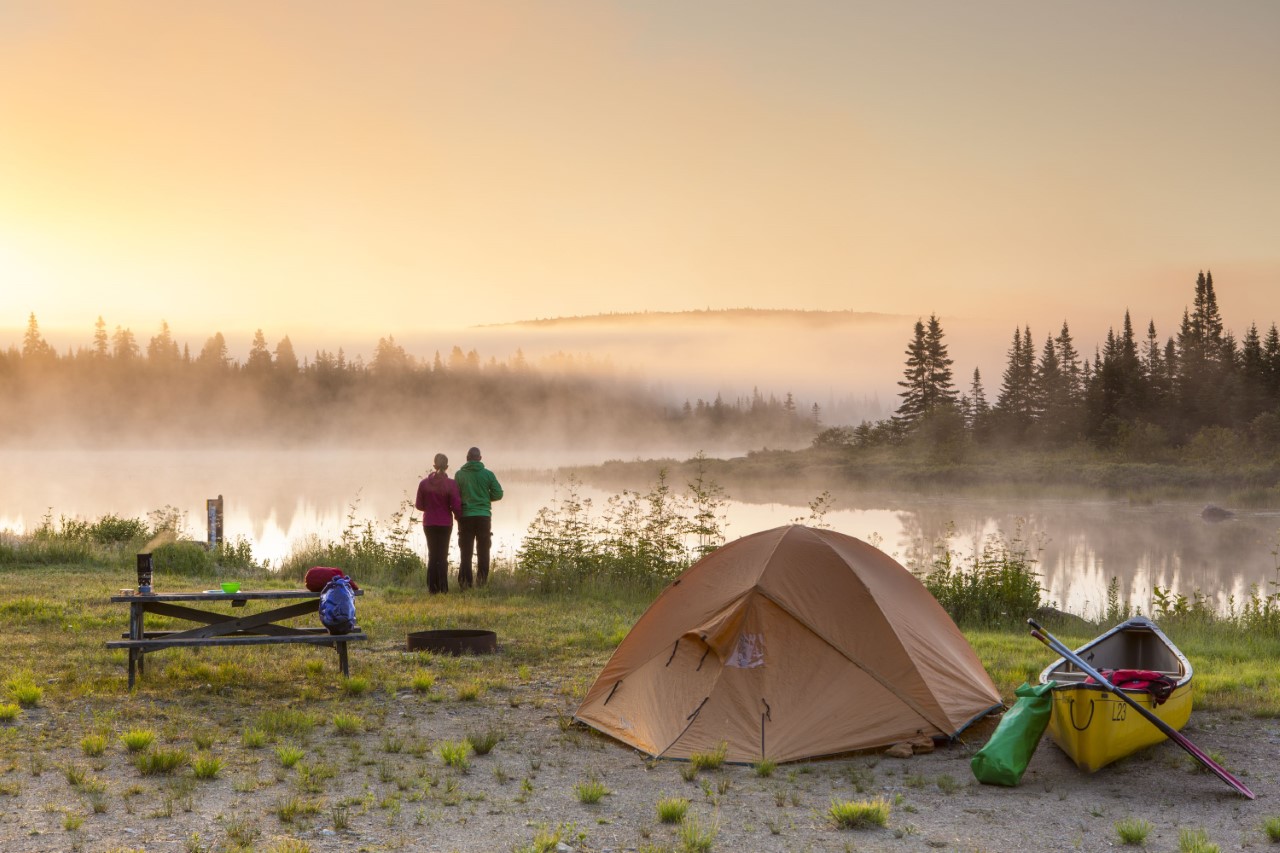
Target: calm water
(275, 499)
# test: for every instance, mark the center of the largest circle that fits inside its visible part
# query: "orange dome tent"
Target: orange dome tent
(788, 644)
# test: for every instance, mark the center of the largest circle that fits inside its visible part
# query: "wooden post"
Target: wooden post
(213, 511)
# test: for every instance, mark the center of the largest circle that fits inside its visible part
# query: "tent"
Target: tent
(787, 644)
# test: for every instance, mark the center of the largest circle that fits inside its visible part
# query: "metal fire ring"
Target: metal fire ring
(454, 642)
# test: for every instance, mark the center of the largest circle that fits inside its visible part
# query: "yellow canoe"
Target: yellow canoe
(1093, 726)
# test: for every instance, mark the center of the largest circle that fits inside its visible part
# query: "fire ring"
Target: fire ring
(454, 642)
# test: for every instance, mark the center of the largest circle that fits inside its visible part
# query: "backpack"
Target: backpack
(338, 606)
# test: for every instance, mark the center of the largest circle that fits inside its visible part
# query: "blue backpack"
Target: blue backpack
(338, 606)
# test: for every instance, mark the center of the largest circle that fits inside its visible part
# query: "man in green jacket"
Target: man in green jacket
(479, 489)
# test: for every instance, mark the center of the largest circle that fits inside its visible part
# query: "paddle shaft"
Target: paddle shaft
(1173, 734)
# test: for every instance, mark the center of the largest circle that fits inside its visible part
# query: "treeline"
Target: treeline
(1137, 394)
(117, 390)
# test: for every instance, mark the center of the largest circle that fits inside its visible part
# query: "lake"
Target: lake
(274, 499)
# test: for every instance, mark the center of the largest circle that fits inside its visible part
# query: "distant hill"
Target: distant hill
(735, 315)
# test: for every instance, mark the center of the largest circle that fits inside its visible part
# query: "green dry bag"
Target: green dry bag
(1005, 757)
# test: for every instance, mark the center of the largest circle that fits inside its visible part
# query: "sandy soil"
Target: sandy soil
(390, 790)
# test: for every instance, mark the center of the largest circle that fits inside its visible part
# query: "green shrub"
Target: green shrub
(997, 586)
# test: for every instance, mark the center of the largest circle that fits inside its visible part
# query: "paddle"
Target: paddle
(1173, 734)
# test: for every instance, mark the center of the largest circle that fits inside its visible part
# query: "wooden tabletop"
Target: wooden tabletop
(219, 595)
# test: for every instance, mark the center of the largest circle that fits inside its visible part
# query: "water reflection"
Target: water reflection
(278, 499)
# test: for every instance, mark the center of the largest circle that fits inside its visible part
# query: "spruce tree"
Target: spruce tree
(1016, 403)
(926, 383)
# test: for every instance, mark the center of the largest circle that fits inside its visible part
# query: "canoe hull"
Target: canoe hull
(1093, 726)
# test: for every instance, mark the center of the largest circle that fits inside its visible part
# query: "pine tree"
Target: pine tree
(1069, 364)
(214, 356)
(1015, 405)
(162, 350)
(101, 341)
(926, 383)
(286, 360)
(124, 347)
(977, 410)
(259, 361)
(34, 347)
(1271, 358)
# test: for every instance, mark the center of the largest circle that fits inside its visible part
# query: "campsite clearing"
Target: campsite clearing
(310, 761)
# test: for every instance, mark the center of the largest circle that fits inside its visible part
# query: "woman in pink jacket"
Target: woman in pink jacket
(440, 503)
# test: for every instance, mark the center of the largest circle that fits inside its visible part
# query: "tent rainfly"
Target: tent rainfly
(788, 644)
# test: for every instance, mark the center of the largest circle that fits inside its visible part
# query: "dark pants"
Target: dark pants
(477, 531)
(437, 556)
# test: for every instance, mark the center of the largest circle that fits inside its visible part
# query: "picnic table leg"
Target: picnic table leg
(342, 656)
(135, 633)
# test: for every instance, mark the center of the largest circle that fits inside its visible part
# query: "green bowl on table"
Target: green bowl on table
(231, 586)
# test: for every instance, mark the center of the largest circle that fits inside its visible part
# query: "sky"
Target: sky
(341, 171)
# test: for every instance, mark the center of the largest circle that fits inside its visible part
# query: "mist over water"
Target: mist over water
(277, 499)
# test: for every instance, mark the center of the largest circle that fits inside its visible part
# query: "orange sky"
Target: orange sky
(341, 171)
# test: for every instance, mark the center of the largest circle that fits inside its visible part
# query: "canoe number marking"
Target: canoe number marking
(1119, 713)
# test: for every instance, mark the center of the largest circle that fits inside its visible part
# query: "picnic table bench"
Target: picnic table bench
(218, 628)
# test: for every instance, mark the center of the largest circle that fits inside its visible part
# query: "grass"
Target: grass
(422, 682)
(672, 809)
(697, 837)
(482, 743)
(288, 756)
(92, 745)
(1271, 829)
(862, 814)
(1195, 841)
(136, 740)
(591, 791)
(347, 724)
(9, 712)
(455, 754)
(207, 766)
(1133, 831)
(161, 761)
(24, 691)
(712, 760)
(765, 767)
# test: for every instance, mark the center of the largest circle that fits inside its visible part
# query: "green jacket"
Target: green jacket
(478, 487)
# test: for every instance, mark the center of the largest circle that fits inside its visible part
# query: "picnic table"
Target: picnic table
(220, 628)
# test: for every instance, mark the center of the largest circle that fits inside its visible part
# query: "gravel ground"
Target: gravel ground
(387, 788)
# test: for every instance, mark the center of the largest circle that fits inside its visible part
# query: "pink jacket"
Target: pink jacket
(439, 500)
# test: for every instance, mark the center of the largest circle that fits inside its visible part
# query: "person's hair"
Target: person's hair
(473, 455)
(442, 462)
